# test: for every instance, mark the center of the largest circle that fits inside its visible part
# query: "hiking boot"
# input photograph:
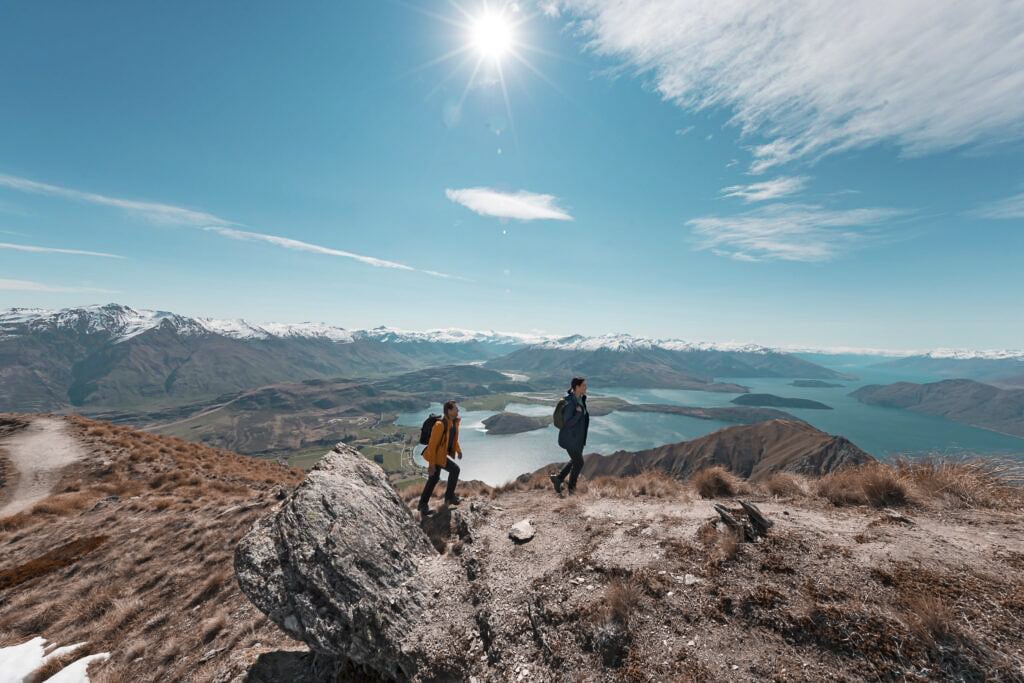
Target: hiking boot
(453, 501)
(556, 482)
(425, 511)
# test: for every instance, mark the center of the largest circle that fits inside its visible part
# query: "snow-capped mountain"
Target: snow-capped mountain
(626, 342)
(122, 323)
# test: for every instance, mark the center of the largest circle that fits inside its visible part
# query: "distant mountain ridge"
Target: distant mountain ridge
(116, 356)
(960, 400)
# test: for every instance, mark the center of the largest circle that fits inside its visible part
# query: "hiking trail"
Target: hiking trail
(38, 453)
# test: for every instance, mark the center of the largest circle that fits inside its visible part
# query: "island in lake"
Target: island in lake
(514, 423)
(813, 384)
(778, 402)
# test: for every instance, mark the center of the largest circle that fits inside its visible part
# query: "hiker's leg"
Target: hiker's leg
(576, 464)
(428, 489)
(565, 470)
(453, 478)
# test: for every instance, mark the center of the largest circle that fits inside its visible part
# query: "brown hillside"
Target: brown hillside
(132, 553)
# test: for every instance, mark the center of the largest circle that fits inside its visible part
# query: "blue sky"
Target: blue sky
(804, 173)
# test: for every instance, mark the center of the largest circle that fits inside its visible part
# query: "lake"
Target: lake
(882, 432)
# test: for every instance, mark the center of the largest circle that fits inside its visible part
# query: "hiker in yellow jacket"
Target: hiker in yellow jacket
(440, 453)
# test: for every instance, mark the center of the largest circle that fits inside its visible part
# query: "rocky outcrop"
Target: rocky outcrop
(336, 566)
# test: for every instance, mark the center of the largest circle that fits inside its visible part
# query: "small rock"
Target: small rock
(669, 594)
(735, 666)
(690, 643)
(590, 586)
(647, 532)
(522, 532)
(690, 579)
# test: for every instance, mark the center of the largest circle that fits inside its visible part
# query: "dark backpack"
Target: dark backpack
(559, 417)
(428, 426)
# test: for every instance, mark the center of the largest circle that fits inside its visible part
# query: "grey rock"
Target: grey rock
(336, 566)
(522, 532)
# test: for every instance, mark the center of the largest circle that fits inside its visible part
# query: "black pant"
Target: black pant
(453, 479)
(572, 468)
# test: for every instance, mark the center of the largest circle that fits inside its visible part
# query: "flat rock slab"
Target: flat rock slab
(523, 531)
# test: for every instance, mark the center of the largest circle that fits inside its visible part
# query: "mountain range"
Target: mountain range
(116, 357)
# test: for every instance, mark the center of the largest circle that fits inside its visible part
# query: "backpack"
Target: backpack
(428, 426)
(559, 417)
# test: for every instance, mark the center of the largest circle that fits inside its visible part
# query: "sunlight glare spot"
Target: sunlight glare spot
(491, 35)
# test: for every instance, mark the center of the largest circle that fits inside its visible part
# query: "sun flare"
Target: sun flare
(491, 35)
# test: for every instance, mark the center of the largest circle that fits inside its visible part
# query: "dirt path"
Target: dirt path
(38, 454)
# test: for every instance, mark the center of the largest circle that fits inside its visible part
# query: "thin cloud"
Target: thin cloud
(153, 211)
(29, 286)
(54, 250)
(1011, 207)
(816, 77)
(522, 205)
(788, 232)
(176, 215)
(769, 189)
(297, 245)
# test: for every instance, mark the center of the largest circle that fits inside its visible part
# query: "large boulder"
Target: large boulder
(336, 566)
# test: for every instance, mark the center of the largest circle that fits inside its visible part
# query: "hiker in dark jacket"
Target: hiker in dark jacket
(573, 434)
(440, 454)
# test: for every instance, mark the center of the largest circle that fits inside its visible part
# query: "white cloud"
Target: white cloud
(158, 213)
(787, 232)
(769, 189)
(522, 205)
(813, 77)
(1011, 207)
(166, 213)
(29, 286)
(297, 245)
(54, 250)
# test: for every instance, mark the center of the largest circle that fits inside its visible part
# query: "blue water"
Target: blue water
(883, 432)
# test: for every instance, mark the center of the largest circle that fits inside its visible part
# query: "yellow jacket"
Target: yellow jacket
(436, 452)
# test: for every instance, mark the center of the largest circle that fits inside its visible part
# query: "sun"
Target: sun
(492, 35)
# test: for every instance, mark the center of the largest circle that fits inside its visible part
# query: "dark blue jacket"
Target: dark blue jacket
(576, 421)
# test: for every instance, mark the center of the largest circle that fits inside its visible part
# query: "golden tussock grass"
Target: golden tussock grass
(874, 484)
(974, 483)
(652, 484)
(786, 485)
(714, 482)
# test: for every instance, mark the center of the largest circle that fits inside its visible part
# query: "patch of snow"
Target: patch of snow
(18, 661)
(76, 671)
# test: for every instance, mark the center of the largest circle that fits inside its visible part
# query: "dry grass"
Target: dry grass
(714, 482)
(974, 483)
(652, 484)
(157, 586)
(786, 485)
(873, 484)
